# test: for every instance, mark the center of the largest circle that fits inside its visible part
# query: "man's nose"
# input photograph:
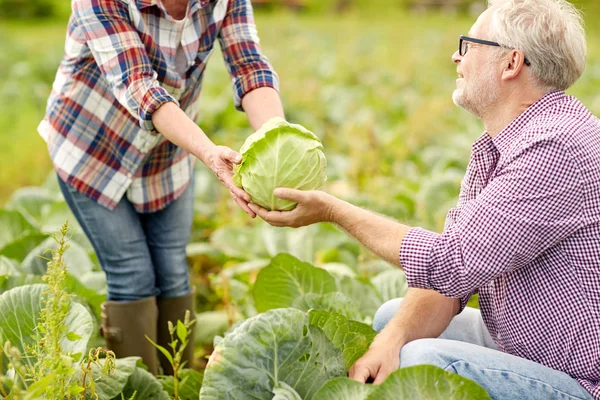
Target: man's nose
(456, 57)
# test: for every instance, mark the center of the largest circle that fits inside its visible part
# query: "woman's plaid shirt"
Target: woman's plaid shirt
(526, 236)
(119, 66)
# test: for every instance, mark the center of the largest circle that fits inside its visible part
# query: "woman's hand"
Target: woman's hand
(313, 206)
(221, 160)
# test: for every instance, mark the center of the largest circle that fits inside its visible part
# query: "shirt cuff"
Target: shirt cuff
(152, 100)
(254, 80)
(464, 300)
(415, 254)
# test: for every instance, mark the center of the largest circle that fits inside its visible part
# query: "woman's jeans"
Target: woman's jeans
(143, 255)
(466, 348)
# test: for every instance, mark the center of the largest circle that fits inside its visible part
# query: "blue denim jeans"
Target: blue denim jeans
(467, 349)
(143, 255)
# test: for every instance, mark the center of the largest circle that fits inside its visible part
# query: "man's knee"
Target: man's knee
(436, 352)
(385, 313)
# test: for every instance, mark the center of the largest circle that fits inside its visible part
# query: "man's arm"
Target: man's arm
(381, 235)
(519, 215)
(422, 314)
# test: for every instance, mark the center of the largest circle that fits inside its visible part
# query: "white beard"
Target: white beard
(478, 94)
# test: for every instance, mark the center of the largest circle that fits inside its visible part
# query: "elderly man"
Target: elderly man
(525, 234)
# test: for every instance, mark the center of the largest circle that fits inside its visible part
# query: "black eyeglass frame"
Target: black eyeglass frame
(480, 41)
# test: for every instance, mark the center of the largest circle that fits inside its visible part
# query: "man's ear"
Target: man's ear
(514, 64)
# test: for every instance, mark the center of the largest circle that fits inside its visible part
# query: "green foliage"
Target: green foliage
(180, 339)
(422, 382)
(277, 346)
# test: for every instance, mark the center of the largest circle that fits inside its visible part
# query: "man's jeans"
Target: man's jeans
(143, 255)
(466, 348)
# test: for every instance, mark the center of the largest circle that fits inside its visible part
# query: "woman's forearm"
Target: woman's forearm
(178, 128)
(261, 105)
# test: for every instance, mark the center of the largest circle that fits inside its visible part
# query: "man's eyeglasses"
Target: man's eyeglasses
(463, 45)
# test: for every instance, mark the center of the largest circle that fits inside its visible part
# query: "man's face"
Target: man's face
(478, 83)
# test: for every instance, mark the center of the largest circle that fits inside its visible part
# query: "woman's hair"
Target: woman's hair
(549, 32)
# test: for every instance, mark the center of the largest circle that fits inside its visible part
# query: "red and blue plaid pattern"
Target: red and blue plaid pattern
(526, 235)
(120, 66)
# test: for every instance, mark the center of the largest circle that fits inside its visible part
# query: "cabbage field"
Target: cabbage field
(281, 313)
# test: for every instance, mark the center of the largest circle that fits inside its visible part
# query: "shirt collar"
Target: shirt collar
(506, 137)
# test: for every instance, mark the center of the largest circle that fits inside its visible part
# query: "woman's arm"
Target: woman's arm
(178, 128)
(261, 105)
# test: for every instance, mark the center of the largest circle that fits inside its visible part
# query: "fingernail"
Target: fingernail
(277, 192)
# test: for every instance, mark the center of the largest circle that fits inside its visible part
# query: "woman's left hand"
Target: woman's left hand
(313, 206)
(221, 160)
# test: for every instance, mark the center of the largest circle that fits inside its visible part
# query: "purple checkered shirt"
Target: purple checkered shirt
(525, 235)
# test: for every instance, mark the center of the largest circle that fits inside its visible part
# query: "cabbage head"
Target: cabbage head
(280, 154)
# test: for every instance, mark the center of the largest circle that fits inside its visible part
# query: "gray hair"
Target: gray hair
(549, 32)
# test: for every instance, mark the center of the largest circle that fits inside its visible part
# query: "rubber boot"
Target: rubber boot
(124, 326)
(173, 309)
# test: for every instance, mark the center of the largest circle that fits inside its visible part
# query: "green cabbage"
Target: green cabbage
(280, 154)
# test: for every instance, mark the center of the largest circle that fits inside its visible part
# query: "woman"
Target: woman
(121, 133)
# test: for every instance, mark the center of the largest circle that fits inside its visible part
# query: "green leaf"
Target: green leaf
(32, 203)
(109, 386)
(38, 388)
(242, 243)
(390, 284)
(181, 331)
(332, 302)
(89, 296)
(424, 382)
(76, 258)
(146, 386)
(211, 324)
(80, 324)
(362, 294)
(351, 337)
(428, 382)
(286, 279)
(161, 349)
(283, 391)
(190, 384)
(19, 312)
(12, 227)
(277, 346)
(347, 389)
(73, 336)
(9, 267)
(19, 248)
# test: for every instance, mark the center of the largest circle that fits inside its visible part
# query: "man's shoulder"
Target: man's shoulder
(568, 122)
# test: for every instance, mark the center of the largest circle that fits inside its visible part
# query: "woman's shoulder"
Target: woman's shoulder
(108, 7)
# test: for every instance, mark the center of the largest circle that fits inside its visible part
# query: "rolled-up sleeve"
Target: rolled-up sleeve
(121, 57)
(533, 203)
(248, 67)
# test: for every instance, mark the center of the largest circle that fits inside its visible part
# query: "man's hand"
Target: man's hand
(221, 160)
(313, 206)
(378, 362)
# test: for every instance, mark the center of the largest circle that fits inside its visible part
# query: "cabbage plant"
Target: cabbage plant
(280, 154)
